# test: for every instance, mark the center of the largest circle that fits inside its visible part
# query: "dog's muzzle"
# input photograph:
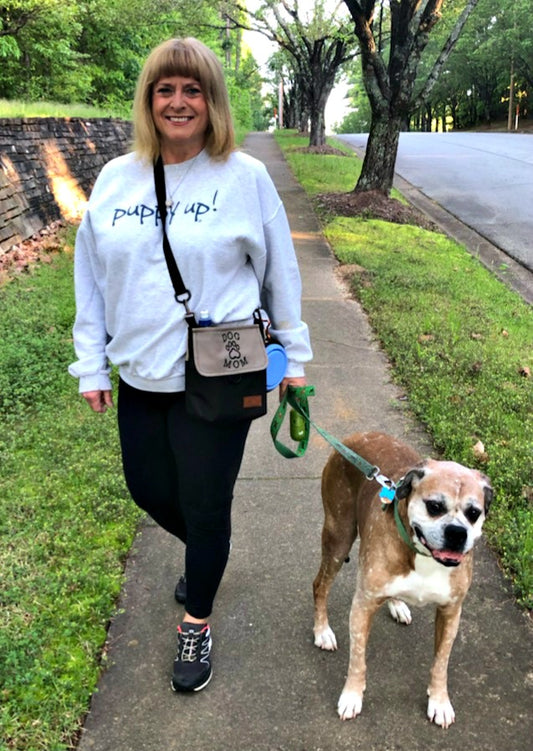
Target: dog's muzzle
(454, 540)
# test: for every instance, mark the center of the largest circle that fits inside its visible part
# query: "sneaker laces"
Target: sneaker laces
(189, 641)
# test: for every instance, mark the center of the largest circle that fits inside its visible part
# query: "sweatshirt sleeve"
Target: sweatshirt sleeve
(90, 335)
(281, 292)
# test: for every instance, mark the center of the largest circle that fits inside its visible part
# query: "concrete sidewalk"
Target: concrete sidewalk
(272, 690)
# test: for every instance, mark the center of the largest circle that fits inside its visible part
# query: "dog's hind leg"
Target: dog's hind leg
(339, 493)
(336, 545)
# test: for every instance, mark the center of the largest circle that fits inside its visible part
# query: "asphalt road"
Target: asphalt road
(484, 179)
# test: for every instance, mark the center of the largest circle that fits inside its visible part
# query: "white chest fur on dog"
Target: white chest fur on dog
(428, 583)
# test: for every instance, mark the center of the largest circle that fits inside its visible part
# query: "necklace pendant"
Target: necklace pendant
(168, 203)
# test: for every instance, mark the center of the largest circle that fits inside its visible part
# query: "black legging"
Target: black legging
(182, 472)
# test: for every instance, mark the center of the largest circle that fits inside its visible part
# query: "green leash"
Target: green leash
(297, 397)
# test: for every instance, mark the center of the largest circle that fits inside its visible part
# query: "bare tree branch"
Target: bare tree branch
(444, 55)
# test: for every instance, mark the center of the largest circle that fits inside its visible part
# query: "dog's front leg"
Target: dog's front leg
(440, 710)
(361, 615)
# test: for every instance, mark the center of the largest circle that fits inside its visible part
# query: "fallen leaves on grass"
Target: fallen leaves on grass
(37, 249)
(372, 204)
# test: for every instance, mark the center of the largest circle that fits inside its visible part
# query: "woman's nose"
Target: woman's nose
(177, 100)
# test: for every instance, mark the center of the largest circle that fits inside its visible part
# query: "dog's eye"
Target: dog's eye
(435, 508)
(472, 514)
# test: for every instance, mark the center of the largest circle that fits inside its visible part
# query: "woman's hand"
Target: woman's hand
(301, 381)
(98, 401)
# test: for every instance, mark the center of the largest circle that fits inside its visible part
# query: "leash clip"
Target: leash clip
(387, 493)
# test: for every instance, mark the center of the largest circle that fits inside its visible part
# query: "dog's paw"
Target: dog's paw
(350, 705)
(325, 639)
(399, 611)
(441, 712)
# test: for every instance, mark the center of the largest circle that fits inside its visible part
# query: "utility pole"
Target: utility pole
(511, 99)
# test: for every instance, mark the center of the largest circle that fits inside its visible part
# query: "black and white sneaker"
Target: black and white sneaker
(180, 593)
(192, 666)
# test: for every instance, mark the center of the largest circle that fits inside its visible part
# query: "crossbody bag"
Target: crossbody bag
(225, 366)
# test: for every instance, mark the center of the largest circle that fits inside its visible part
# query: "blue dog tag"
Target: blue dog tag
(387, 494)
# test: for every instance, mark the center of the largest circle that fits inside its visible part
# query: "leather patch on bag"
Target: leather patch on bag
(250, 402)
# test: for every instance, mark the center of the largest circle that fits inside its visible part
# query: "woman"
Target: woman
(229, 232)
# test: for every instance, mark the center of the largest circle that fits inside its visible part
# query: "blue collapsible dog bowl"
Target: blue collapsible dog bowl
(277, 365)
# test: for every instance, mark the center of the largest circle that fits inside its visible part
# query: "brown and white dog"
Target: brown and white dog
(442, 506)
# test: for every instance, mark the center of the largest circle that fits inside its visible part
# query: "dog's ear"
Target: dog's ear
(488, 492)
(408, 481)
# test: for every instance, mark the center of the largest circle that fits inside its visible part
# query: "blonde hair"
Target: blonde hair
(189, 58)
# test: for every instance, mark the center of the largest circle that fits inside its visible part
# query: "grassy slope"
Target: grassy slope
(66, 523)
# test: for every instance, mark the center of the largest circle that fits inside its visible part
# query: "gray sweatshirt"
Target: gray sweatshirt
(229, 233)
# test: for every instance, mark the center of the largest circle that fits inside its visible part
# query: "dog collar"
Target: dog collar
(387, 501)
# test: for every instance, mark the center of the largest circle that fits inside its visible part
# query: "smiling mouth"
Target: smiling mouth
(179, 119)
(446, 557)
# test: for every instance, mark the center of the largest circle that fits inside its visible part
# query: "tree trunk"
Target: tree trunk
(389, 85)
(303, 123)
(317, 132)
(380, 156)
(318, 98)
(429, 118)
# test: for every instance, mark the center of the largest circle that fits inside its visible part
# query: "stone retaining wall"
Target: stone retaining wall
(48, 167)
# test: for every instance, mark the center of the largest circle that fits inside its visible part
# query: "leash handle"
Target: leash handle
(298, 398)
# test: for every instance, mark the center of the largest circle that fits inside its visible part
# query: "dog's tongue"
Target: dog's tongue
(447, 555)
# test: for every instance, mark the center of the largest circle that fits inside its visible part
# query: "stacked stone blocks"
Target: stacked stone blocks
(48, 167)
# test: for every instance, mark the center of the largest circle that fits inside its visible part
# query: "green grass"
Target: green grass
(15, 108)
(461, 345)
(339, 173)
(66, 521)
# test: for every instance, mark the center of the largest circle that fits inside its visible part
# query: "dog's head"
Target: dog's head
(446, 505)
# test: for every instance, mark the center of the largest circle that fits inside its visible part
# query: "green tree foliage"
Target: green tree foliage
(92, 51)
(473, 88)
(38, 54)
(495, 45)
(359, 118)
(244, 86)
(78, 51)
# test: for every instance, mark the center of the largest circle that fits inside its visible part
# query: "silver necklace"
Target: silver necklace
(169, 203)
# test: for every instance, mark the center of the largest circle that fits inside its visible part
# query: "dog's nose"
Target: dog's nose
(455, 537)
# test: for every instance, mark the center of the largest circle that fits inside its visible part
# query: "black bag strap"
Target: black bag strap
(181, 293)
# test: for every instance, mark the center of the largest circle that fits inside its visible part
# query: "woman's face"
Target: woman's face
(179, 111)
